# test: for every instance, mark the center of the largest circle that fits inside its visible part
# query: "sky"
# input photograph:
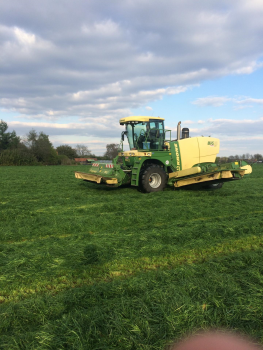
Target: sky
(73, 69)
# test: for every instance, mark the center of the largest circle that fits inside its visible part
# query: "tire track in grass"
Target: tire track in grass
(127, 268)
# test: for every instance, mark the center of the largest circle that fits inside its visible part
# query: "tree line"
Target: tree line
(36, 149)
(247, 157)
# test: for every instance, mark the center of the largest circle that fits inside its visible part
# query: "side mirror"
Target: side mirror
(122, 135)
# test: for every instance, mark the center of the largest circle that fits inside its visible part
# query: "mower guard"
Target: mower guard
(96, 178)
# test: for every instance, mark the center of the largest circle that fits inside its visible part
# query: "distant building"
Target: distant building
(85, 160)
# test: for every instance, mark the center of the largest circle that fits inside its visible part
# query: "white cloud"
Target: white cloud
(187, 122)
(24, 37)
(238, 107)
(236, 136)
(106, 28)
(111, 99)
(250, 100)
(211, 101)
(149, 108)
(97, 60)
(88, 48)
(231, 128)
(218, 101)
(86, 129)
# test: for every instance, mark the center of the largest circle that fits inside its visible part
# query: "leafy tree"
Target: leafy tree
(82, 151)
(224, 159)
(64, 160)
(17, 156)
(66, 150)
(112, 150)
(41, 147)
(8, 140)
(221, 159)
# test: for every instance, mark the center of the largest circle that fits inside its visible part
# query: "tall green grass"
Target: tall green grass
(84, 266)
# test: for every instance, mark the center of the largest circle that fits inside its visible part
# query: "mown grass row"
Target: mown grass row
(64, 240)
(146, 311)
(98, 266)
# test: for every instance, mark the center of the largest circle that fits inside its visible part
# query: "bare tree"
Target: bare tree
(82, 150)
(248, 156)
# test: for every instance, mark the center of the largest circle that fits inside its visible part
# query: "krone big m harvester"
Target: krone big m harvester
(154, 160)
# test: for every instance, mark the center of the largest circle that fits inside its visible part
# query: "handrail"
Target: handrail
(165, 131)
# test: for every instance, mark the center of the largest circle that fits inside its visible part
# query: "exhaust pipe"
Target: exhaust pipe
(178, 131)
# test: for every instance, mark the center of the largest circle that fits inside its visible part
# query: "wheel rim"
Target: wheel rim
(155, 180)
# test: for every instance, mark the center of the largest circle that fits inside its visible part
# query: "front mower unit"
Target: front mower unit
(101, 173)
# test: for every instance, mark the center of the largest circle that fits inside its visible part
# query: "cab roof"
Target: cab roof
(138, 119)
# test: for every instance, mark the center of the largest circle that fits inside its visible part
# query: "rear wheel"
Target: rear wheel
(215, 186)
(153, 179)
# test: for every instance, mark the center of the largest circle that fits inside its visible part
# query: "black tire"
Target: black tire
(153, 179)
(214, 186)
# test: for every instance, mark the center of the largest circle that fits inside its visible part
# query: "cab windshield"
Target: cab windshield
(146, 135)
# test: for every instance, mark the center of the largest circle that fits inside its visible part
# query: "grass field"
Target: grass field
(84, 266)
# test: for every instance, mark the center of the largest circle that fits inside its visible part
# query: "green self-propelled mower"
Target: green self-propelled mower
(155, 161)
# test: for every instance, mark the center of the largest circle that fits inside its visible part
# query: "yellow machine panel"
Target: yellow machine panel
(138, 119)
(196, 150)
(247, 168)
(208, 148)
(189, 152)
(186, 172)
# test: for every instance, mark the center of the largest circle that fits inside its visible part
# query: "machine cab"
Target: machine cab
(144, 132)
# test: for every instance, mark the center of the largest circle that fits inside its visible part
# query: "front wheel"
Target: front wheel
(153, 179)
